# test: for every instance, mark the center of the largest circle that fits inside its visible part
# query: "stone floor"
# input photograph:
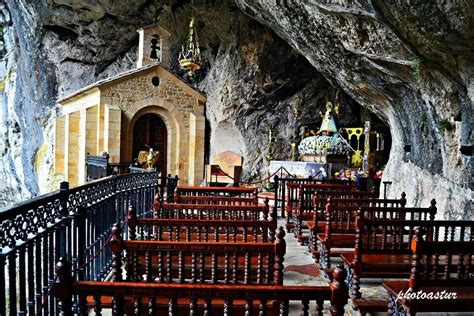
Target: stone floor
(300, 269)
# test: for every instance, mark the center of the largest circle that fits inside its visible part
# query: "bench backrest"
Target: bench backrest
(443, 263)
(404, 213)
(216, 191)
(213, 212)
(199, 261)
(341, 214)
(287, 190)
(217, 200)
(293, 190)
(201, 298)
(393, 236)
(356, 198)
(307, 191)
(199, 230)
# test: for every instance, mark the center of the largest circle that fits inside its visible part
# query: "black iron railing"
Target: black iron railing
(97, 167)
(73, 223)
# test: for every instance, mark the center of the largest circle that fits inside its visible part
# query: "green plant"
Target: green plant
(416, 67)
(423, 117)
(444, 125)
(397, 105)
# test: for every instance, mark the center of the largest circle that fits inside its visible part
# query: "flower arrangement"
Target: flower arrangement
(347, 174)
(323, 145)
(378, 174)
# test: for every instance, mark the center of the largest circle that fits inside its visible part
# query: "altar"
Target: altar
(303, 169)
(327, 154)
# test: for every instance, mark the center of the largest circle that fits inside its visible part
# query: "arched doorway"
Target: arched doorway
(150, 130)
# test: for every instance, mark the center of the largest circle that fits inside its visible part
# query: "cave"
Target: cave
(261, 66)
(304, 136)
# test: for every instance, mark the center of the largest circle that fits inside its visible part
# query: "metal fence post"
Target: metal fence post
(63, 197)
(275, 202)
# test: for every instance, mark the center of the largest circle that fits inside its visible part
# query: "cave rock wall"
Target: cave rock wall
(408, 62)
(255, 81)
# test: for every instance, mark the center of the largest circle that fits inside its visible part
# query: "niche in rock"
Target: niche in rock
(227, 137)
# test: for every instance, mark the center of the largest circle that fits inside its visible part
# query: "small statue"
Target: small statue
(328, 125)
(152, 158)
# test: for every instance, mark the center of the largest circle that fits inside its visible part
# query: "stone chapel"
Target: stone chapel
(145, 107)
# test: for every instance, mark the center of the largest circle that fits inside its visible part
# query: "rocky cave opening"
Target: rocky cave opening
(265, 63)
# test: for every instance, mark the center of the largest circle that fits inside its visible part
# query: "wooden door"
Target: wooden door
(150, 130)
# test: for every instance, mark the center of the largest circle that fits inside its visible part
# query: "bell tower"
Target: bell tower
(154, 45)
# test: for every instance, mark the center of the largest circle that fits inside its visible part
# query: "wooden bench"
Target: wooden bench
(382, 247)
(207, 200)
(212, 212)
(343, 206)
(199, 262)
(298, 194)
(283, 193)
(436, 267)
(216, 191)
(200, 230)
(337, 230)
(311, 203)
(218, 200)
(140, 298)
(320, 197)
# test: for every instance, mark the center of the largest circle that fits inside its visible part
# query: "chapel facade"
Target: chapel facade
(147, 107)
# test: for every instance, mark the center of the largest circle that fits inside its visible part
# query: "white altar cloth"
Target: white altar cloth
(301, 168)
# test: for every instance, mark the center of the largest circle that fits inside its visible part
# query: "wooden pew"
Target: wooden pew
(211, 212)
(216, 191)
(218, 200)
(382, 246)
(209, 200)
(140, 298)
(201, 230)
(349, 198)
(311, 202)
(285, 194)
(294, 196)
(199, 262)
(320, 197)
(337, 229)
(436, 266)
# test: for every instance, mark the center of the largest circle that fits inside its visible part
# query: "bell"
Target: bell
(154, 48)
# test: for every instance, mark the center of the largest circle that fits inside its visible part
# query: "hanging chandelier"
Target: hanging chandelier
(190, 56)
